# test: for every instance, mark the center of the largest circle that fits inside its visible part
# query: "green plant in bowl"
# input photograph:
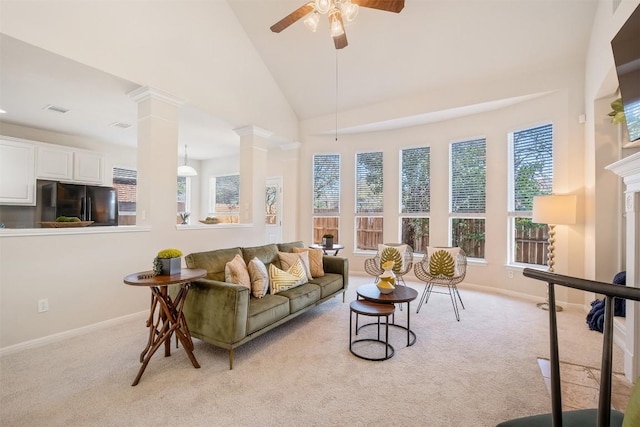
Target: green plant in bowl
(67, 219)
(169, 253)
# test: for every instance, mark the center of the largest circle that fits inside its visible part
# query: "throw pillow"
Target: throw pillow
(315, 260)
(280, 280)
(442, 261)
(287, 259)
(235, 271)
(392, 253)
(259, 278)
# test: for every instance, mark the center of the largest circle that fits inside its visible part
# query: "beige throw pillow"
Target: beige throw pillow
(235, 271)
(259, 278)
(315, 260)
(287, 259)
(282, 280)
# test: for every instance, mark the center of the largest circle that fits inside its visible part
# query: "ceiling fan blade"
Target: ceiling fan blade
(387, 5)
(292, 17)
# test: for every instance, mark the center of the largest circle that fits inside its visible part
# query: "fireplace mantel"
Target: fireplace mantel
(628, 169)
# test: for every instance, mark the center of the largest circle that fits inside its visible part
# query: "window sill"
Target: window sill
(200, 226)
(23, 232)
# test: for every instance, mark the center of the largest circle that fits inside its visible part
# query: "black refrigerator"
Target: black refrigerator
(87, 202)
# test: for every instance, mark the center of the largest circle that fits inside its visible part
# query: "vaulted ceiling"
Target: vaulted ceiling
(431, 44)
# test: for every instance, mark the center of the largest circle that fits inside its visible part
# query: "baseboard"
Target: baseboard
(38, 342)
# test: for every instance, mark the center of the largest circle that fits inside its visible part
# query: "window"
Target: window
(415, 187)
(125, 183)
(225, 198)
(468, 196)
(369, 200)
(326, 196)
(531, 174)
(184, 198)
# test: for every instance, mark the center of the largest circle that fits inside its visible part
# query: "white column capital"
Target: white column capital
(144, 93)
(253, 131)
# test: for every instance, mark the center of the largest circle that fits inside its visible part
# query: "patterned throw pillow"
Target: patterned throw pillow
(315, 260)
(235, 271)
(282, 280)
(287, 259)
(442, 261)
(259, 278)
(392, 253)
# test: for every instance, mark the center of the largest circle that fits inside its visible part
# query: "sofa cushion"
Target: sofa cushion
(280, 280)
(212, 261)
(265, 311)
(235, 271)
(329, 283)
(302, 296)
(316, 265)
(287, 259)
(288, 247)
(268, 254)
(259, 278)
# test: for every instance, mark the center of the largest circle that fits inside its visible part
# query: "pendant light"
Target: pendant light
(186, 170)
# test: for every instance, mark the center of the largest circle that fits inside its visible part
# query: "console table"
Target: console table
(166, 317)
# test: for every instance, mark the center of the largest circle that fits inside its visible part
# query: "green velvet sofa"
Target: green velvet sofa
(227, 315)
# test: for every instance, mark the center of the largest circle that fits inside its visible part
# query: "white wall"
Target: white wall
(561, 103)
(211, 65)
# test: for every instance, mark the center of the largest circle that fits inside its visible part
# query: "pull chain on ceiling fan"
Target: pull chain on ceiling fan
(336, 11)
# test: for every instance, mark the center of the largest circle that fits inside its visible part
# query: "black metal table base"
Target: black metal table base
(389, 350)
(411, 339)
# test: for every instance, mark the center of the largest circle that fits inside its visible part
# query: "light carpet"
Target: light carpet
(476, 372)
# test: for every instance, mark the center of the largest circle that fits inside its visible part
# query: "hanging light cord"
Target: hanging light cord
(336, 95)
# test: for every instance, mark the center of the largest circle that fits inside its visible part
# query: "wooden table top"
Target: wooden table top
(399, 294)
(185, 275)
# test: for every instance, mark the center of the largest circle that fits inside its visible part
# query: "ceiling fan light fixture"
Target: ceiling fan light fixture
(349, 10)
(323, 6)
(186, 170)
(311, 21)
(336, 24)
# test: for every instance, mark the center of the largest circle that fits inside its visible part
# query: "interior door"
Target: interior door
(273, 210)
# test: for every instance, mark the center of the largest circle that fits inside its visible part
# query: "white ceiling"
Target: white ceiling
(431, 44)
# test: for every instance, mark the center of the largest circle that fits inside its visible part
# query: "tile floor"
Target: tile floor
(580, 386)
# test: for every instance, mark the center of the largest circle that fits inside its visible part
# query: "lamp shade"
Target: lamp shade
(186, 170)
(554, 209)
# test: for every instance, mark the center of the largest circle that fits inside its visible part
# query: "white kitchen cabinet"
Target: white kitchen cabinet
(17, 173)
(54, 163)
(69, 165)
(88, 167)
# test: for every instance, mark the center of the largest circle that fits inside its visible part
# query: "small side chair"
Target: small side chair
(444, 267)
(403, 265)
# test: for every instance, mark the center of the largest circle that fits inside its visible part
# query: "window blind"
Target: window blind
(415, 180)
(469, 176)
(326, 184)
(369, 180)
(532, 165)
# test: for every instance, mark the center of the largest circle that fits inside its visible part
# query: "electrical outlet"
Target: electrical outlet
(510, 274)
(43, 305)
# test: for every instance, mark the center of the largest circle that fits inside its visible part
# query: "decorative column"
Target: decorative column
(629, 169)
(158, 121)
(253, 174)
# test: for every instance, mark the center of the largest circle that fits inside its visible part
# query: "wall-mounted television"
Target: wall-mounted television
(626, 53)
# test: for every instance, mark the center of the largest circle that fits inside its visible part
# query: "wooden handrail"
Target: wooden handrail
(609, 291)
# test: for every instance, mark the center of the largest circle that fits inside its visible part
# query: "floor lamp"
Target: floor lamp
(553, 210)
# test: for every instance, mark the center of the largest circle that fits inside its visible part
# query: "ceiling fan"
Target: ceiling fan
(336, 10)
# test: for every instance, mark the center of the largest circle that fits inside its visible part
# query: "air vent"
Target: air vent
(56, 108)
(121, 125)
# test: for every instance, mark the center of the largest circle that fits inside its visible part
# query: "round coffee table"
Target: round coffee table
(401, 294)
